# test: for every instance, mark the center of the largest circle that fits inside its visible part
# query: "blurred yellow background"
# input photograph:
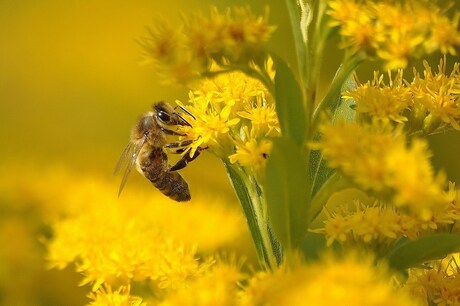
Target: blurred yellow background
(71, 87)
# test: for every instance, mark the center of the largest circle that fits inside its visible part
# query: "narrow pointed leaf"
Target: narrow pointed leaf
(286, 187)
(341, 109)
(289, 102)
(414, 252)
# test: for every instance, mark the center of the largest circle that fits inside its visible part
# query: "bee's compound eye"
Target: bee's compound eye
(164, 116)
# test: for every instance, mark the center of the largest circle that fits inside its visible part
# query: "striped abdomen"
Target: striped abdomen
(154, 165)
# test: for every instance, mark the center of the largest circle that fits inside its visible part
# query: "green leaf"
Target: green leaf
(413, 252)
(289, 102)
(313, 245)
(286, 187)
(341, 109)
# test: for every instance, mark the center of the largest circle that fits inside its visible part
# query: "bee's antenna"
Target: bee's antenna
(186, 111)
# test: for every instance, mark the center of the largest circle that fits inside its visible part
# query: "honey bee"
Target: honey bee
(146, 151)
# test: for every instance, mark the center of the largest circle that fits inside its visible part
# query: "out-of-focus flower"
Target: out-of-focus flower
(121, 297)
(218, 285)
(185, 52)
(382, 162)
(120, 241)
(351, 280)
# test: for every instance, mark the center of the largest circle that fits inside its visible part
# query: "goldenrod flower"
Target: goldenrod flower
(252, 154)
(378, 226)
(438, 283)
(185, 52)
(382, 162)
(351, 280)
(393, 31)
(445, 35)
(439, 93)
(218, 285)
(121, 297)
(356, 25)
(374, 226)
(234, 117)
(429, 103)
(114, 241)
(382, 101)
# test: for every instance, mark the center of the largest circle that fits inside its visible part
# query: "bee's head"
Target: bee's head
(166, 115)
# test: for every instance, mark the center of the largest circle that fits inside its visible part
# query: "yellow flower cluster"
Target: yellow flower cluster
(394, 31)
(381, 161)
(429, 103)
(378, 226)
(234, 117)
(385, 102)
(437, 96)
(115, 243)
(438, 283)
(218, 285)
(351, 280)
(182, 53)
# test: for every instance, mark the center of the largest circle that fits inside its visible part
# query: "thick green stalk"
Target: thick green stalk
(253, 203)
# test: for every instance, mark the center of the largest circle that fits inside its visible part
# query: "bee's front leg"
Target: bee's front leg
(183, 162)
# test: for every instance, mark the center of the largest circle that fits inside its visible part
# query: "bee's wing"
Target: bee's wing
(127, 161)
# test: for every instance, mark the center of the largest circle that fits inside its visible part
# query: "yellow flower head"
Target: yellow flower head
(183, 53)
(107, 297)
(394, 31)
(233, 116)
(378, 159)
(382, 101)
(351, 280)
(218, 285)
(374, 227)
(438, 284)
(377, 227)
(138, 237)
(356, 25)
(439, 94)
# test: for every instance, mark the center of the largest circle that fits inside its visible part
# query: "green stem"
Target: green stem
(253, 203)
